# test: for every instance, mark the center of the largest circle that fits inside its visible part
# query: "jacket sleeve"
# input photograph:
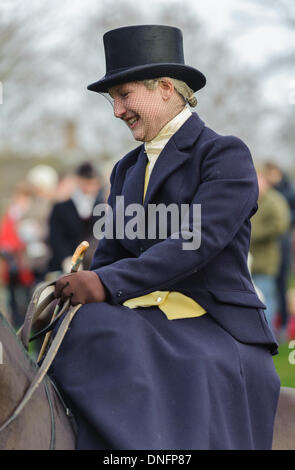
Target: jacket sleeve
(227, 197)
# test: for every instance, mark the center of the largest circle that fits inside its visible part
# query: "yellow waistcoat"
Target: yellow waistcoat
(173, 304)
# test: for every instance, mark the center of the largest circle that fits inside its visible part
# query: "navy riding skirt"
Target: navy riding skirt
(136, 380)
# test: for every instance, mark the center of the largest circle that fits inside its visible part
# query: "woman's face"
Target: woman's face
(143, 110)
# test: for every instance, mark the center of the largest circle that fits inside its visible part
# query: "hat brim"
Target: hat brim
(191, 76)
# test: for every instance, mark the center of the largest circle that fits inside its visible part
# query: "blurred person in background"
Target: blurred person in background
(65, 186)
(271, 221)
(71, 221)
(16, 275)
(280, 181)
(34, 228)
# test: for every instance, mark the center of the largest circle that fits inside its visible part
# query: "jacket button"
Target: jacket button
(119, 293)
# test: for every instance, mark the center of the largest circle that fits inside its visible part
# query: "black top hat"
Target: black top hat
(143, 52)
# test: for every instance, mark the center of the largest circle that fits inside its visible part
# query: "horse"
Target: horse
(284, 426)
(33, 415)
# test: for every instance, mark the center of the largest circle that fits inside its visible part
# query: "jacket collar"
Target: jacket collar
(156, 145)
(187, 135)
(173, 156)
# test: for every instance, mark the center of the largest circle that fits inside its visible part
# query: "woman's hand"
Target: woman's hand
(82, 287)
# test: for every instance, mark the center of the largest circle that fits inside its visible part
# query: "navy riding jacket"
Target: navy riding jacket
(197, 166)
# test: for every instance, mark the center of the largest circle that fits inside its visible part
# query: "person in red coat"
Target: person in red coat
(171, 348)
(15, 274)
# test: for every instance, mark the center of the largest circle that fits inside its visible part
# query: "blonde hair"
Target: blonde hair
(181, 87)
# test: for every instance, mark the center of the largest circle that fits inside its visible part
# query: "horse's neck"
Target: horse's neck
(42, 422)
(16, 371)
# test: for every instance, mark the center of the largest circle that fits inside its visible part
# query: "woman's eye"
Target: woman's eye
(124, 95)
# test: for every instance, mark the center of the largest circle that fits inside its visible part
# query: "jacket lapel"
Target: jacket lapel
(134, 180)
(174, 154)
(172, 157)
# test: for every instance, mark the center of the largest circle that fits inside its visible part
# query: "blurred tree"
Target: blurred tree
(272, 24)
(230, 102)
(281, 15)
(52, 52)
(26, 73)
(284, 61)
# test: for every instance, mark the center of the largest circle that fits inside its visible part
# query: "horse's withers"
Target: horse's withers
(43, 423)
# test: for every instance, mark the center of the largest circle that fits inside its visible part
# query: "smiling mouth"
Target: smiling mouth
(131, 122)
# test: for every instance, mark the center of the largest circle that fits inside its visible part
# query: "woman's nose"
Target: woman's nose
(119, 108)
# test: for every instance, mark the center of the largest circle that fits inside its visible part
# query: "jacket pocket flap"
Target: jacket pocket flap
(243, 298)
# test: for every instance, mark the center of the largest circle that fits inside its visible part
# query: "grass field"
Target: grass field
(283, 364)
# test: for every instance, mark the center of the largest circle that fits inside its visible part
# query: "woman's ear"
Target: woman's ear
(166, 88)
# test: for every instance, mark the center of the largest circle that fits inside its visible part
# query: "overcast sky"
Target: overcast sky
(255, 41)
(223, 17)
(254, 32)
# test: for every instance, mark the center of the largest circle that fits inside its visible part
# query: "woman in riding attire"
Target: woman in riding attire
(171, 348)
